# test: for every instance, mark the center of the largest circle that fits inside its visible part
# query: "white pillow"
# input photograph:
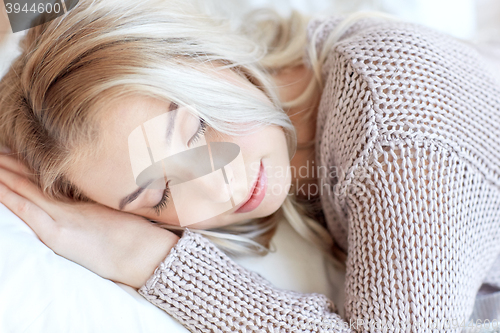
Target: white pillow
(42, 292)
(9, 50)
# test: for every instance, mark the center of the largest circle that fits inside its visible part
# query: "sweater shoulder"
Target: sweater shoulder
(391, 81)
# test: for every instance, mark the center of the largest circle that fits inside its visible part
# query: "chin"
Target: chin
(271, 206)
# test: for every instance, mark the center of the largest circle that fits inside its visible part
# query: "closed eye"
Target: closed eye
(160, 206)
(199, 133)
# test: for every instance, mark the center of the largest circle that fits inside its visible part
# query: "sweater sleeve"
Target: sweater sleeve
(202, 288)
(422, 237)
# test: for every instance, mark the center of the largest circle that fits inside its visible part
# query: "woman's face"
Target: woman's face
(258, 187)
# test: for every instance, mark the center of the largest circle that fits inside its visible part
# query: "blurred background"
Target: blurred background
(475, 20)
(461, 18)
(467, 19)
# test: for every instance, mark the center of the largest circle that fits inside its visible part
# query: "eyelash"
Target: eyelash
(201, 130)
(160, 206)
(163, 202)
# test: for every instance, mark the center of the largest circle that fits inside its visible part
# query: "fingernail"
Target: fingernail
(5, 150)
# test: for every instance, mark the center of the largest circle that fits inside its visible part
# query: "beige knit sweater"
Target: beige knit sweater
(410, 121)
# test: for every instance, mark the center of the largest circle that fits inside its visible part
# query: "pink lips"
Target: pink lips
(257, 193)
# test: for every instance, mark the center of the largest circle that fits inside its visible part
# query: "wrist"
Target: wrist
(148, 255)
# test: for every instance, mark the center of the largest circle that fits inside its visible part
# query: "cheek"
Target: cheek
(266, 142)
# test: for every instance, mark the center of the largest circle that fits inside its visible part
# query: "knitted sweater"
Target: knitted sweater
(409, 121)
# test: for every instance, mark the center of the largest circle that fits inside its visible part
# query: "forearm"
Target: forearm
(206, 291)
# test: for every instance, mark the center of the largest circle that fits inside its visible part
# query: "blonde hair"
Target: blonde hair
(70, 68)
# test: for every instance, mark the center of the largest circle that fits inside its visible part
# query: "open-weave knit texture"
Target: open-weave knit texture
(409, 132)
(208, 292)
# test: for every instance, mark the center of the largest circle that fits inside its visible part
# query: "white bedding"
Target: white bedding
(42, 292)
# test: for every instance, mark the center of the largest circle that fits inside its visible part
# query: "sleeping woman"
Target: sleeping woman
(148, 140)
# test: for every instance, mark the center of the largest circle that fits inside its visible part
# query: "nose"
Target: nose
(211, 187)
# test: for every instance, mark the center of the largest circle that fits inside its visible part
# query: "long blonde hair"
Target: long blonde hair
(52, 97)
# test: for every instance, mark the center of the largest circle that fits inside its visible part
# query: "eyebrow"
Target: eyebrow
(131, 197)
(170, 130)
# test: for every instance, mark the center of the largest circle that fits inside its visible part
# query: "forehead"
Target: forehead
(110, 159)
(126, 114)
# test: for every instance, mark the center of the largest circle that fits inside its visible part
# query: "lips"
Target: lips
(257, 193)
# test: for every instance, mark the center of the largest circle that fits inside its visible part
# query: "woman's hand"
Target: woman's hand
(118, 246)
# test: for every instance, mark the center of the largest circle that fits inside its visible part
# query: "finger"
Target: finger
(25, 188)
(14, 165)
(35, 217)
